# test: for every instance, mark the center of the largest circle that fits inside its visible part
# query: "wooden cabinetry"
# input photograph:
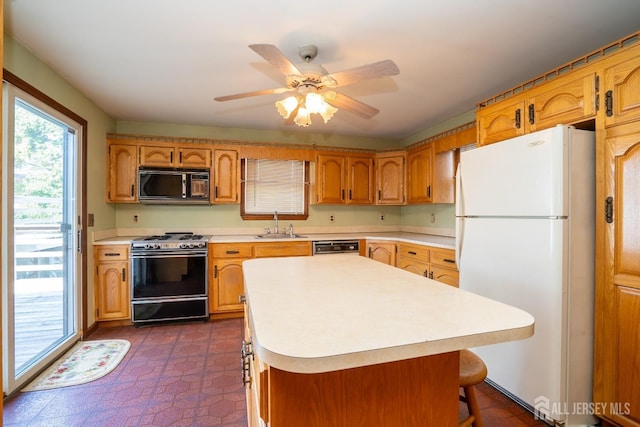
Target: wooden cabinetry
(564, 100)
(226, 280)
(175, 156)
(390, 178)
(225, 177)
(112, 299)
(617, 305)
(419, 174)
(435, 263)
(122, 173)
(383, 251)
(344, 179)
(622, 89)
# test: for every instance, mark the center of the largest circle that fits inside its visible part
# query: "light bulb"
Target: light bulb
(286, 106)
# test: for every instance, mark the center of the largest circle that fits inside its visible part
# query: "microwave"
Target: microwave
(173, 186)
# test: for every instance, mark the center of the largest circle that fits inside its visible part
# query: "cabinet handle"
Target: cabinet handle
(413, 253)
(350, 195)
(608, 209)
(428, 191)
(452, 261)
(242, 298)
(518, 118)
(132, 190)
(232, 252)
(124, 275)
(171, 157)
(426, 273)
(342, 197)
(608, 102)
(216, 192)
(180, 157)
(369, 252)
(111, 254)
(244, 362)
(379, 195)
(431, 275)
(532, 114)
(215, 271)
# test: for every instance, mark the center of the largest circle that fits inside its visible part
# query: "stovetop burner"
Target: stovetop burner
(171, 241)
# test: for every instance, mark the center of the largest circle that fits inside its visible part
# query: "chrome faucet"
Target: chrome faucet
(275, 218)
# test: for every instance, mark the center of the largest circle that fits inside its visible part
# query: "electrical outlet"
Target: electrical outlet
(90, 220)
(332, 218)
(433, 218)
(381, 217)
(136, 217)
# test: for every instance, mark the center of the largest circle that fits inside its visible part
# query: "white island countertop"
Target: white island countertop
(333, 312)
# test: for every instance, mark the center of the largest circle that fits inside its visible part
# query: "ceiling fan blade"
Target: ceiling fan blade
(254, 93)
(350, 104)
(275, 57)
(365, 72)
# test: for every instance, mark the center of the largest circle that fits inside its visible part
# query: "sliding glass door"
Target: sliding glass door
(40, 247)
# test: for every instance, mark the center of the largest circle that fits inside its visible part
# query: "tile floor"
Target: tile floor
(180, 375)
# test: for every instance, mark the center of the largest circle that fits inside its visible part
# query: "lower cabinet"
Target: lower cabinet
(435, 263)
(112, 299)
(226, 280)
(383, 251)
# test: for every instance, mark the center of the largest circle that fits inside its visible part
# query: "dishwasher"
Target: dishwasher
(323, 247)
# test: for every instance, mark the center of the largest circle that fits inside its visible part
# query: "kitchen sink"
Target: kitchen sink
(279, 236)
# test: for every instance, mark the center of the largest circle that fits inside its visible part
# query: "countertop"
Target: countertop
(418, 238)
(320, 314)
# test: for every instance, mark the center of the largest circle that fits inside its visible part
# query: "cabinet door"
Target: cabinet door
(227, 284)
(194, 158)
(225, 176)
(390, 179)
(123, 173)
(157, 156)
(360, 179)
(112, 291)
(382, 251)
(617, 311)
(622, 90)
(501, 121)
(444, 275)
(419, 166)
(562, 102)
(444, 177)
(330, 175)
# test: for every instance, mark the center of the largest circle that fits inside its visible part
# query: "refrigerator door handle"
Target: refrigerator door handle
(459, 238)
(458, 194)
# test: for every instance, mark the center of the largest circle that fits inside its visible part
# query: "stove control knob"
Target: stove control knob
(183, 245)
(147, 246)
(191, 245)
(201, 244)
(156, 246)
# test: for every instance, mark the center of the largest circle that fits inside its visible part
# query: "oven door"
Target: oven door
(157, 276)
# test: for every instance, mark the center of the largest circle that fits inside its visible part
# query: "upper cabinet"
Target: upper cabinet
(122, 173)
(345, 179)
(622, 89)
(174, 157)
(568, 99)
(390, 178)
(419, 174)
(225, 177)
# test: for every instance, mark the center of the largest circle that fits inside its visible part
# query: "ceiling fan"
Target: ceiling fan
(313, 85)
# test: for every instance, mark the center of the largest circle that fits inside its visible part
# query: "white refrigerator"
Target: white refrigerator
(525, 237)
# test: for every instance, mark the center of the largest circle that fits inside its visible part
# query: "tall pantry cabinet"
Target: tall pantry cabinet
(617, 327)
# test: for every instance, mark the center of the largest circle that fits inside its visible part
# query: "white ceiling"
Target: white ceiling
(165, 60)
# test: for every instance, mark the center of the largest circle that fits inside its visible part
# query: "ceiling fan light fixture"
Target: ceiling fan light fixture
(302, 118)
(287, 106)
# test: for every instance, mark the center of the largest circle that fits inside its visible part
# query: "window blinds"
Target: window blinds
(274, 185)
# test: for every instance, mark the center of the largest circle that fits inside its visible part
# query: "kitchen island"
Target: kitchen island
(343, 340)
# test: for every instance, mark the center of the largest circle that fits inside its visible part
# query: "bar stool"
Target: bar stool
(472, 371)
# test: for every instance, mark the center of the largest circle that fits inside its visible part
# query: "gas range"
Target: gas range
(183, 241)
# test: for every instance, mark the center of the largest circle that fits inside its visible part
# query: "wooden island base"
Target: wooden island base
(418, 392)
